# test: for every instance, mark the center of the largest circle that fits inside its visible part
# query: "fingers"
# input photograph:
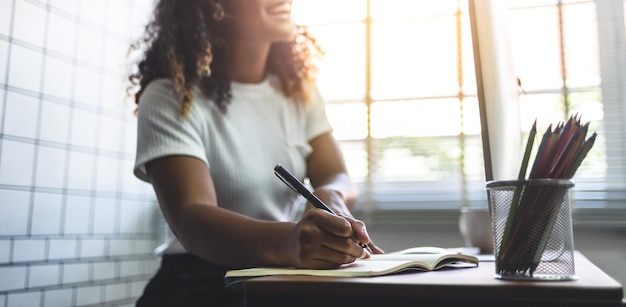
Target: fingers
(335, 224)
(323, 257)
(347, 246)
(360, 234)
(358, 230)
(327, 237)
(375, 249)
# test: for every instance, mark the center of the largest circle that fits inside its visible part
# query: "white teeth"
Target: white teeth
(281, 9)
(280, 12)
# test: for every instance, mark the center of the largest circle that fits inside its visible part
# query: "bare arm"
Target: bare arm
(186, 194)
(332, 184)
(328, 175)
(187, 198)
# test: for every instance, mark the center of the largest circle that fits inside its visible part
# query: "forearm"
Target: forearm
(231, 239)
(339, 192)
(186, 194)
(328, 175)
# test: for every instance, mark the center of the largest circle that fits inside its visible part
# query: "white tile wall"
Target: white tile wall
(130, 140)
(105, 218)
(56, 298)
(5, 251)
(67, 142)
(87, 87)
(149, 214)
(89, 295)
(111, 133)
(136, 288)
(121, 247)
(43, 275)
(150, 266)
(62, 249)
(29, 22)
(90, 45)
(46, 215)
(114, 96)
(69, 6)
(14, 209)
(84, 133)
(6, 9)
(92, 12)
(23, 117)
(25, 250)
(16, 163)
(117, 19)
(80, 171)
(144, 246)
(108, 171)
(4, 55)
(130, 268)
(91, 248)
(58, 74)
(77, 214)
(141, 13)
(105, 270)
(130, 182)
(61, 34)
(12, 278)
(50, 167)
(131, 217)
(2, 94)
(114, 55)
(54, 122)
(25, 68)
(75, 272)
(24, 299)
(115, 292)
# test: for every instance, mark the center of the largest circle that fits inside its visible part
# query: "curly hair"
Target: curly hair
(187, 41)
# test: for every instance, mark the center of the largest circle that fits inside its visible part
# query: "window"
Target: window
(400, 82)
(571, 58)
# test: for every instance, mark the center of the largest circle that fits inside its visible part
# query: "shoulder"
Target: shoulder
(314, 99)
(158, 88)
(311, 92)
(161, 95)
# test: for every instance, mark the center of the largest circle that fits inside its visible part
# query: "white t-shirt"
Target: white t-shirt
(260, 129)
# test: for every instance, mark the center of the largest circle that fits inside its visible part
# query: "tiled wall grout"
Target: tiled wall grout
(37, 130)
(74, 218)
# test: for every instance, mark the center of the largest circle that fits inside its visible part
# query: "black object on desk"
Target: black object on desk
(467, 287)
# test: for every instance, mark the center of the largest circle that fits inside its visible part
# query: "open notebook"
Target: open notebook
(416, 258)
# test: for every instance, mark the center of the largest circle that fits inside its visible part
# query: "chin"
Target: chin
(285, 34)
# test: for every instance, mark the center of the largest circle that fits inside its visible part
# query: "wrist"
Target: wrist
(333, 199)
(285, 247)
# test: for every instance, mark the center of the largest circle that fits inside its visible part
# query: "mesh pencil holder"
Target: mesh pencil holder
(532, 229)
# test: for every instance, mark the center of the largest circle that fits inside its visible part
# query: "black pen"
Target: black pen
(292, 182)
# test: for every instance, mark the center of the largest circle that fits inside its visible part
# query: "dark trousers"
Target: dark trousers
(186, 280)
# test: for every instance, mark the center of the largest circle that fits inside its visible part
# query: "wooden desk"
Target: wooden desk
(450, 287)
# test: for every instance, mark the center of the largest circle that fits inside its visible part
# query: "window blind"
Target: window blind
(401, 88)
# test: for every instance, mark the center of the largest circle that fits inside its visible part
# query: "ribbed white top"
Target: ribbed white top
(260, 129)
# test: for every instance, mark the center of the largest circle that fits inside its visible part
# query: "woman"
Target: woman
(225, 92)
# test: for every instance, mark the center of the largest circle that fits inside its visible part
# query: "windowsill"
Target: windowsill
(582, 217)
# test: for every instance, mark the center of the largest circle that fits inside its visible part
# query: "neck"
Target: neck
(248, 61)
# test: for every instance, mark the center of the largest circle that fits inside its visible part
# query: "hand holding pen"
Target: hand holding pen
(290, 180)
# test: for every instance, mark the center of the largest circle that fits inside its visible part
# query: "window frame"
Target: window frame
(382, 207)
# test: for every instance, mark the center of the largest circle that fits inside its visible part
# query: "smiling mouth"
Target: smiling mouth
(282, 9)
